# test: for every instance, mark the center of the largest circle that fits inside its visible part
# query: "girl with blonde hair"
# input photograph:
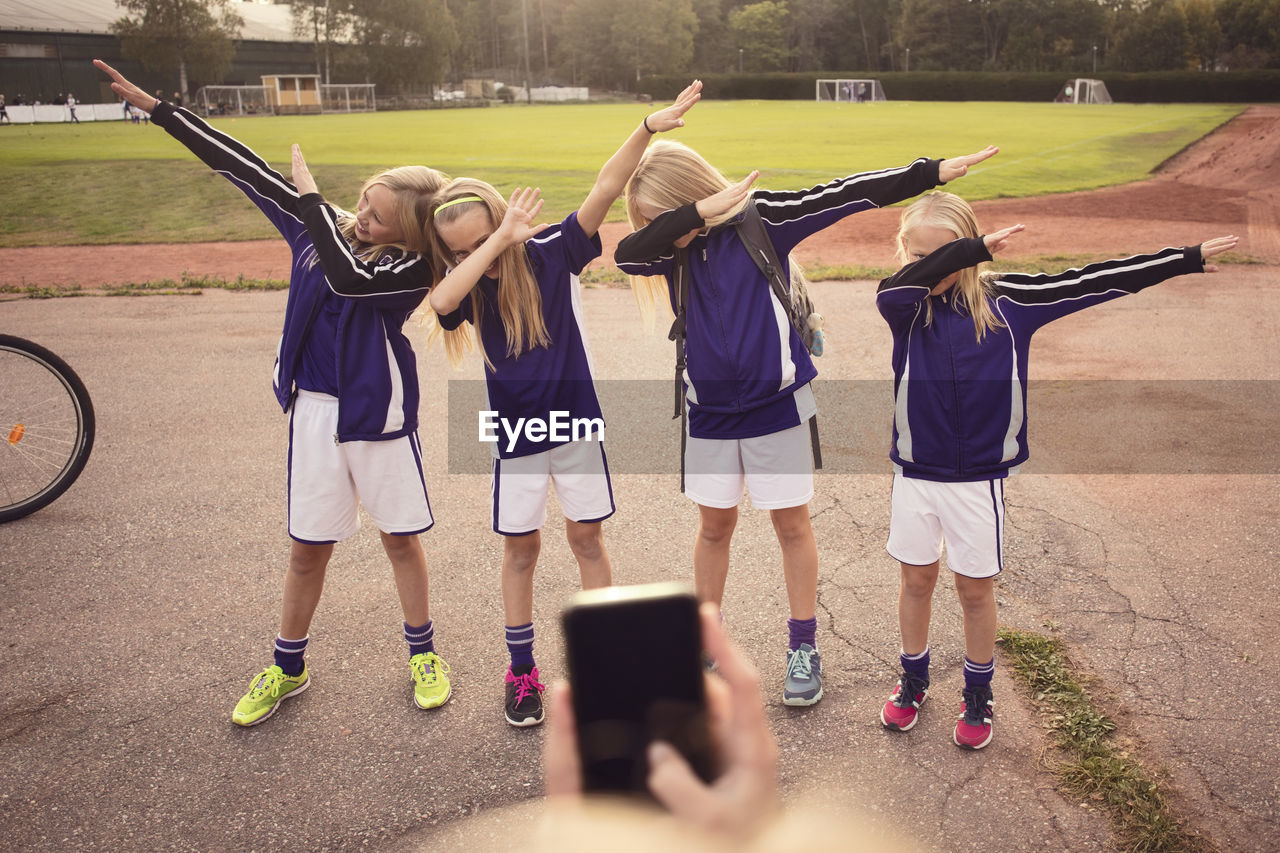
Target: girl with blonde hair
(347, 377)
(747, 374)
(517, 284)
(961, 340)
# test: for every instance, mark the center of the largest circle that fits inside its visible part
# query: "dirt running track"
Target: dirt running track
(136, 607)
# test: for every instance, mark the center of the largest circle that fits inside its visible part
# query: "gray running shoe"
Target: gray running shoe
(803, 685)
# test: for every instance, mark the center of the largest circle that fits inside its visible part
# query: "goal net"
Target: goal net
(233, 101)
(1083, 91)
(256, 100)
(347, 98)
(850, 91)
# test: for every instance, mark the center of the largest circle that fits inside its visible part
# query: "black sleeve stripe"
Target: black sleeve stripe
(236, 151)
(363, 270)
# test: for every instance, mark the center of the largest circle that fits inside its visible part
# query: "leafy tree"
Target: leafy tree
(403, 44)
(189, 38)
(611, 43)
(1251, 32)
(326, 21)
(760, 31)
(941, 34)
(1151, 38)
(1204, 31)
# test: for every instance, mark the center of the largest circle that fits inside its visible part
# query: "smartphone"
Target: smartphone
(635, 668)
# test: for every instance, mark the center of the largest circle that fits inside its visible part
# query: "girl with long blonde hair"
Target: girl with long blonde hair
(346, 375)
(961, 340)
(747, 373)
(517, 284)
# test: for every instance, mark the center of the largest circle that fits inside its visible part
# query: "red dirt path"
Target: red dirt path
(1228, 182)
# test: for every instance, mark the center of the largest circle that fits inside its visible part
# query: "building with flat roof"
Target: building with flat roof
(47, 48)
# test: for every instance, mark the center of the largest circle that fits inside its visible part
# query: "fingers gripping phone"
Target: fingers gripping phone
(635, 669)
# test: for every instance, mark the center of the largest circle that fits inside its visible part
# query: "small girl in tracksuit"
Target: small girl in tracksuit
(517, 284)
(347, 376)
(960, 346)
(746, 382)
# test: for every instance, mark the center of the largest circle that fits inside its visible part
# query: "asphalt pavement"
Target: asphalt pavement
(137, 607)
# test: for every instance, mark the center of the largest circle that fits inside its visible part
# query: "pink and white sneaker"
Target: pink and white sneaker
(973, 728)
(901, 711)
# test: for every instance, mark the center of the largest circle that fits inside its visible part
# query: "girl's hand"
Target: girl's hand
(301, 174)
(522, 209)
(1216, 246)
(958, 167)
(997, 240)
(127, 90)
(727, 199)
(670, 118)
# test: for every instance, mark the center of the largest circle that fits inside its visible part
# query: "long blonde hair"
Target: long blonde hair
(672, 175)
(519, 300)
(949, 212)
(413, 190)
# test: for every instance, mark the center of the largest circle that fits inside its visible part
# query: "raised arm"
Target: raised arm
(516, 227)
(265, 187)
(392, 280)
(617, 171)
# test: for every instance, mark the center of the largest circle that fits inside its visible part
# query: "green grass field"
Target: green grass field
(120, 183)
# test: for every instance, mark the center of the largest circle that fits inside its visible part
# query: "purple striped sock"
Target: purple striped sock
(520, 644)
(978, 674)
(917, 665)
(288, 654)
(420, 640)
(800, 631)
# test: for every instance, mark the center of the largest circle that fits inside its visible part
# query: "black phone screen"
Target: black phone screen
(635, 667)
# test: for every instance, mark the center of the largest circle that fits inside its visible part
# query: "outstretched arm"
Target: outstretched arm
(617, 171)
(265, 187)
(958, 167)
(1040, 299)
(657, 238)
(516, 227)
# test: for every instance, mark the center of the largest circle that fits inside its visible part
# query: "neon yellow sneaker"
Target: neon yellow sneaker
(267, 690)
(430, 680)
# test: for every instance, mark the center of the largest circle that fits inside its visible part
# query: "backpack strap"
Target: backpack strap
(752, 233)
(677, 334)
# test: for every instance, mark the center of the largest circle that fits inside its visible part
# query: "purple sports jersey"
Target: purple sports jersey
(540, 380)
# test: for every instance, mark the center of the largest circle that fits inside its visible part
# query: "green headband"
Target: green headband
(457, 201)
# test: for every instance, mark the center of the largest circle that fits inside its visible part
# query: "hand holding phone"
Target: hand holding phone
(744, 792)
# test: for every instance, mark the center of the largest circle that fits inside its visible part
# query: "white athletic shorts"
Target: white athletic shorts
(968, 517)
(775, 469)
(579, 472)
(329, 481)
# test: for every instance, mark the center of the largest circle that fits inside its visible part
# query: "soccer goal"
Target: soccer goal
(1083, 91)
(233, 101)
(850, 91)
(347, 98)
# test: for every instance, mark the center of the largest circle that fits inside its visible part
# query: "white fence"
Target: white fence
(29, 114)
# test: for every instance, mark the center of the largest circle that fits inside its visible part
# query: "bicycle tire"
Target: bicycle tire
(46, 427)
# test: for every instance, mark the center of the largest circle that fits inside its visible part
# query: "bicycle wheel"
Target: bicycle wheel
(46, 427)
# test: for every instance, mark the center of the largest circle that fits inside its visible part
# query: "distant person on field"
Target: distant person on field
(71, 105)
(4, 114)
(347, 376)
(517, 286)
(961, 339)
(746, 386)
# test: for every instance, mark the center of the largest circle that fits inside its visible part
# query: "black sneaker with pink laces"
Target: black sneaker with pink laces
(524, 696)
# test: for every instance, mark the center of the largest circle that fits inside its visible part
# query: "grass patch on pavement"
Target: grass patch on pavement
(1093, 763)
(187, 286)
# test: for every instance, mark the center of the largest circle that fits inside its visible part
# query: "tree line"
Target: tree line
(408, 46)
